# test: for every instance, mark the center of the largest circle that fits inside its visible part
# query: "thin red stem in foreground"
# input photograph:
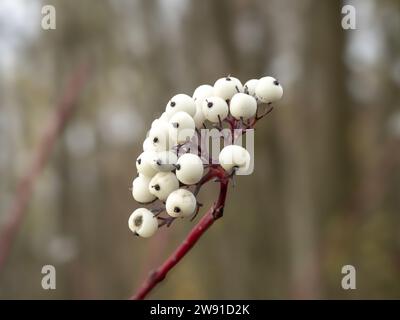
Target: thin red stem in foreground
(41, 155)
(214, 213)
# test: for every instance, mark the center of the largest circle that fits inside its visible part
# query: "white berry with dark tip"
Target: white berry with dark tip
(250, 87)
(162, 184)
(199, 95)
(159, 137)
(144, 163)
(268, 90)
(181, 102)
(243, 106)
(148, 145)
(202, 92)
(189, 168)
(163, 161)
(215, 109)
(143, 223)
(226, 87)
(234, 157)
(140, 189)
(181, 203)
(181, 127)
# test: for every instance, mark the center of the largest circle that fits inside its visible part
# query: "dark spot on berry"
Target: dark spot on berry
(155, 140)
(172, 104)
(175, 125)
(178, 167)
(177, 209)
(228, 79)
(276, 82)
(138, 221)
(157, 187)
(139, 161)
(158, 162)
(210, 104)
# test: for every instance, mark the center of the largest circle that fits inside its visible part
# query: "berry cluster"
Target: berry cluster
(171, 170)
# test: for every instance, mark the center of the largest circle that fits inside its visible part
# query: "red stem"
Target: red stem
(41, 155)
(214, 213)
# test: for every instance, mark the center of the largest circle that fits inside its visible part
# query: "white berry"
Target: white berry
(199, 95)
(250, 87)
(268, 90)
(181, 102)
(140, 189)
(164, 161)
(164, 117)
(181, 203)
(162, 184)
(202, 92)
(148, 145)
(243, 106)
(158, 122)
(159, 136)
(144, 163)
(199, 117)
(189, 168)
(215, 109)
(181, 127)
(234, 157)
(226, 87)
(143, 223)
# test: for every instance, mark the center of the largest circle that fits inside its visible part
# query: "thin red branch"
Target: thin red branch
(214, 213)
(42, 153)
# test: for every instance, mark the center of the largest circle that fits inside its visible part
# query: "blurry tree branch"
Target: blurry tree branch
(41, 155)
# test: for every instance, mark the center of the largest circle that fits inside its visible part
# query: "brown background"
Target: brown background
(325, 191)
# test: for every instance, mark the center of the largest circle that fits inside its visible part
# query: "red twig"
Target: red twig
(42, 153)
(214, 213)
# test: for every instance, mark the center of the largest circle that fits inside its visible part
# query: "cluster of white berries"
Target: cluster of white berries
(164, 173)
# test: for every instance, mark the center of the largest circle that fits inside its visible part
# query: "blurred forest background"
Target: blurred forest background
(326, 187)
